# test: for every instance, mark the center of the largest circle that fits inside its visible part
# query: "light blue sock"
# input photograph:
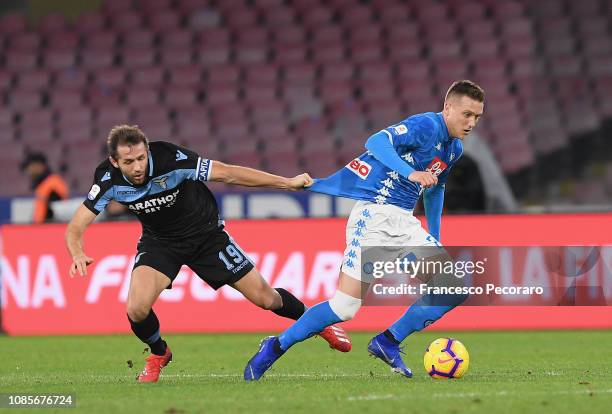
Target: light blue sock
(313, 321)
(424, 312)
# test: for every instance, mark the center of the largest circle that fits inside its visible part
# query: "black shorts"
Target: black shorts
(216, 258)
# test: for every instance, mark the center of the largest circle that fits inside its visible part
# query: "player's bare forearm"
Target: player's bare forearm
(74, 239)
(250, 177)
(74, 232)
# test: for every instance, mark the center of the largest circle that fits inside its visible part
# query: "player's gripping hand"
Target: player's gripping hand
(300, 182)
(80, 263)
(425, 178)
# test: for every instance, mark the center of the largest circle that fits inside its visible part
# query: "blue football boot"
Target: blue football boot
(262, 360)
(382, 347)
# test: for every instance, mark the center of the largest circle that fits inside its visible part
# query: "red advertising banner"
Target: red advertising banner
(303, 256)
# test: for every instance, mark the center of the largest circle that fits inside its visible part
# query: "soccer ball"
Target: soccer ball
(446, 358)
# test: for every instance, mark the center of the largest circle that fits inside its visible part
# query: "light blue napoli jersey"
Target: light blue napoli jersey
(422, 140)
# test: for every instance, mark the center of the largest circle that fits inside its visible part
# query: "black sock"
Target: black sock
(147, 331)
(158, 347)
(390, 337)
(292, 307)
(277, 347)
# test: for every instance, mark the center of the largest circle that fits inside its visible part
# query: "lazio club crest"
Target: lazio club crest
(161, 181)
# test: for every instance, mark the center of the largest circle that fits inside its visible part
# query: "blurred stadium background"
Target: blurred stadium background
(297, 85)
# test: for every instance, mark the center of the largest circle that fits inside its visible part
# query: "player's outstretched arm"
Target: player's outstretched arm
(250, 177)
(82, 218)
(433, 201)
(382, 149)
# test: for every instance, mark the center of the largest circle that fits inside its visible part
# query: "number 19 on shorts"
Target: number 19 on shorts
(231, 256)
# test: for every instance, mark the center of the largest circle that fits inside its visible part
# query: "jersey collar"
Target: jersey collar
(447, 137)
(150, 164)
(127, 180)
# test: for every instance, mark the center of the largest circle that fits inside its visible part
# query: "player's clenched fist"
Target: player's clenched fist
(80, 263)
(425, 178)
(300, 181)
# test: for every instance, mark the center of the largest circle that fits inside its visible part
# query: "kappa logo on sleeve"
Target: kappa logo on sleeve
(436, 166)
(95, 190)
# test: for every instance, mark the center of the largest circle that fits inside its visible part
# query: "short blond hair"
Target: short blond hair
(466, 88)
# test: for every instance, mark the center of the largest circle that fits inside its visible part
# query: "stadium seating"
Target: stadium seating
(319, 75)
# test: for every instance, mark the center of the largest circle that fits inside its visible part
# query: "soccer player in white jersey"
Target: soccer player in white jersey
(403, 161)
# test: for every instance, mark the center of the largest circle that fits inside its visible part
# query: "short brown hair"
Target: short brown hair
(466, 88)
(124, 135)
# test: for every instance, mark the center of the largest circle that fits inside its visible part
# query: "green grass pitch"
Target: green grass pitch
(510, 372)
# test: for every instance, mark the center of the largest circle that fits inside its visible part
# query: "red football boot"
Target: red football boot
(153, 367)
(337, 338)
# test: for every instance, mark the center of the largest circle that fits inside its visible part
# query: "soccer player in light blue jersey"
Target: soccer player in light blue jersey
(165, 186)
(402, 162)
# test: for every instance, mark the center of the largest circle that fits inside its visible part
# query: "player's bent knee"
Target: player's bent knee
(269, 300)
(137, 312)
(271, 303)
(345, 306)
